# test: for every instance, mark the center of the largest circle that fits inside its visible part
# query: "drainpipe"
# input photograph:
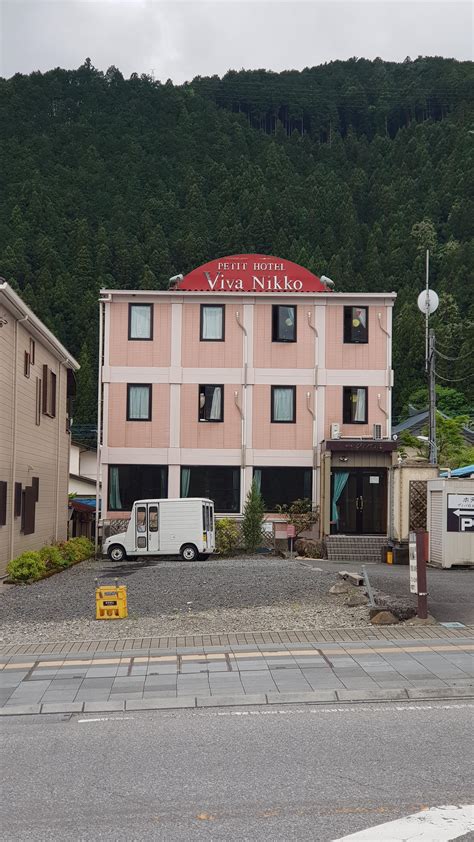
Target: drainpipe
(313, 413)
(14, 417)
(102, 301)
(243, 408)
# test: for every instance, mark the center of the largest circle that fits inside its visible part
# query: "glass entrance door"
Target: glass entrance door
(359, 501)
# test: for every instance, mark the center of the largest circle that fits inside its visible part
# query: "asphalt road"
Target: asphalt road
(250, 774)
(450, 591)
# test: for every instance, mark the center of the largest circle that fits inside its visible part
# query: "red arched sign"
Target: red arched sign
(251, 273)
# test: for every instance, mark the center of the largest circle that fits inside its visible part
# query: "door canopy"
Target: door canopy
(255, 273)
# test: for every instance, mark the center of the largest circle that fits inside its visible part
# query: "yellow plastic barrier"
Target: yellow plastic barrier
(111, 602)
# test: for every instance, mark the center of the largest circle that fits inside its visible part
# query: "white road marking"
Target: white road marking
(332, 710)
(438, 824)
(106, 719)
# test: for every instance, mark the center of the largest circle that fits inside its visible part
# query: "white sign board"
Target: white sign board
(412, 562)
(460, 512)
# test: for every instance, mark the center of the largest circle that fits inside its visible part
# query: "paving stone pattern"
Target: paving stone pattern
(254, 672)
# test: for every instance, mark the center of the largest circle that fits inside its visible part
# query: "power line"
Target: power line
(452, 379)
(453, 359)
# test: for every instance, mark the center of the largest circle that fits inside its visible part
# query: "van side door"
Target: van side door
(141, 529)
(153, 528)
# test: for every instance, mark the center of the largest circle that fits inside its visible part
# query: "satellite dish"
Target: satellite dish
(428, 301)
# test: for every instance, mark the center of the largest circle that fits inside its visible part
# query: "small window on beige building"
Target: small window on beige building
(38, 402)
(3, 503)
(26, 364)
(32, 351)
(49, 392)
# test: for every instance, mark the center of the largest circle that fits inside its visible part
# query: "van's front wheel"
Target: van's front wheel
(116, 553)
(189, 552)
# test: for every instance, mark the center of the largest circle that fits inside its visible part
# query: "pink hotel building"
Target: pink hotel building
(248, 367)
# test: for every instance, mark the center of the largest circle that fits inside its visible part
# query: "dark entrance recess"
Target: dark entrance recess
(359, 501)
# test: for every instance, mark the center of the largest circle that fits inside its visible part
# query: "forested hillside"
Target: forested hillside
(351, 169)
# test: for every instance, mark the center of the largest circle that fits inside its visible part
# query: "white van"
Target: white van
(182, 526)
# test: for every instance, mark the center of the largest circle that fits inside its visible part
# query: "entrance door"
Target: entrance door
(359, 501)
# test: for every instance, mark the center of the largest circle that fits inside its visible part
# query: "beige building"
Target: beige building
(36, 384)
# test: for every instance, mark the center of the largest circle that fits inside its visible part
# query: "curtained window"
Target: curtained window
(128, 483)
(140, 321)
(283, 404)
(356, 325)
(138, 402)
(354, 409)
(218, 483)
(283, 485)
(212, 323)
(283, 323)
(211, 403)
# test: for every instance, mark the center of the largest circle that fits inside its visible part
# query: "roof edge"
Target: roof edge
(185, 293)
(13, 299)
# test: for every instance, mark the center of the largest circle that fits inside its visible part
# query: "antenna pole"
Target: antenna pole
(427, 307)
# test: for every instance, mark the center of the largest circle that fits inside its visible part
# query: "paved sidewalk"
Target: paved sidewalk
(93, 676)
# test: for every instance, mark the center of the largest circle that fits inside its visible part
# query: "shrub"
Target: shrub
(227, 536)
(70, 552)
(300, 514)
(252, 523)
(27, 566)
(85, 546)
(52, 557)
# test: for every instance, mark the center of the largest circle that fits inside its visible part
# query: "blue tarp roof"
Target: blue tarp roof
(466, 471)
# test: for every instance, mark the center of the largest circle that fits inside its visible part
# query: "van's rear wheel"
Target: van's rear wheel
(189, 552)
(116, 553)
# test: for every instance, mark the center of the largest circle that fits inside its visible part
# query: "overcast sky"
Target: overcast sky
(186, 38)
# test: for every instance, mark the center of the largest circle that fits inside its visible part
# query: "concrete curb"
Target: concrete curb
(403, 694)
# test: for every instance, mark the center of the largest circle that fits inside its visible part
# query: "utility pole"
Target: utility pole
(427, 310)
(432, 396)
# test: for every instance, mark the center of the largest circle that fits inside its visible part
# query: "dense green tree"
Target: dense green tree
(352, 168)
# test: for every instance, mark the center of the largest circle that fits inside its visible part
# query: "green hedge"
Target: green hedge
(30, 566)
(227, 536)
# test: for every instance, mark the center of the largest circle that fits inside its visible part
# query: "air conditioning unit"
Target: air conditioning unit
(377, 431)
(335, 431)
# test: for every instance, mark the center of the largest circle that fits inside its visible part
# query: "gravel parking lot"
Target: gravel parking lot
(171, 597)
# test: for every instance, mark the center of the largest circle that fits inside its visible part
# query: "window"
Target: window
(138, 402)
(283, 324)
(3, 503)
(26, 364)
(354, 405)
(153, 518)
(211, 403)
(356, 325)
(49, 392)
(212, 323)
(32, 351)
(28, 510)
(283, 485)
(128, 483)
(38, 402)
(283, 404)
(18, 496)
(221, 484)
(140, 321)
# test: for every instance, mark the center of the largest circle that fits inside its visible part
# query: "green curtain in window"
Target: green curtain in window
(114, 490)
(257, 475)
(340, 480)
(185, 480)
